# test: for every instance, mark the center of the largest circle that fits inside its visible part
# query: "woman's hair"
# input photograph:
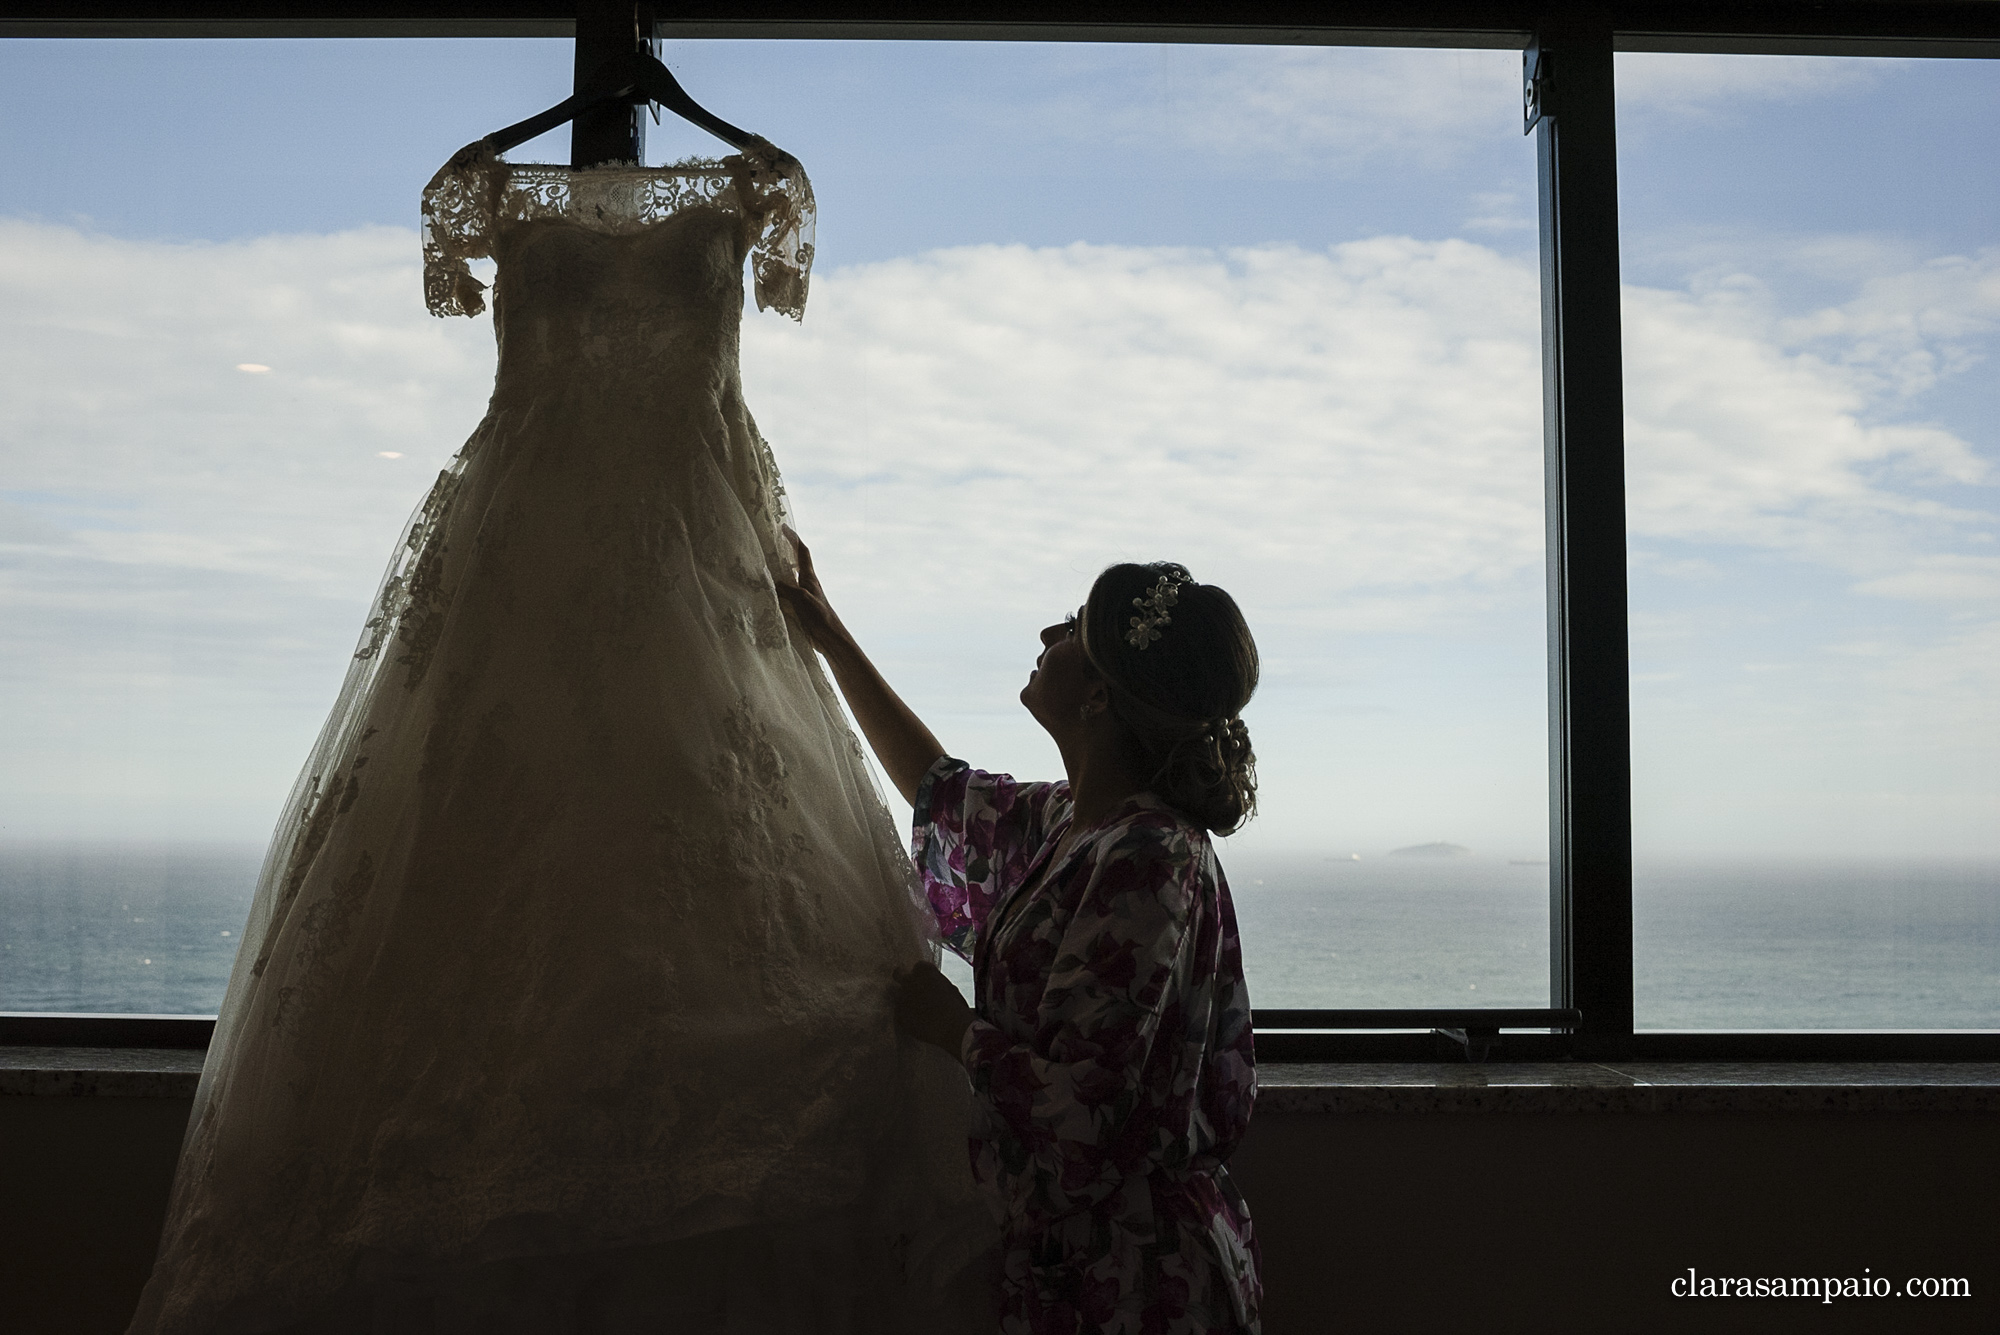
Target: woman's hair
(1180, 665)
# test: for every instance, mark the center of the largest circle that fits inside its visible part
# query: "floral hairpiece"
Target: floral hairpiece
(1154, 608)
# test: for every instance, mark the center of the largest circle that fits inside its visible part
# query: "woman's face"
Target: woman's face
(1063, 679)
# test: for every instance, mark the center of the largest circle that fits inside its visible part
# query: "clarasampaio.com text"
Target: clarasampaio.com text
(1826, 1288)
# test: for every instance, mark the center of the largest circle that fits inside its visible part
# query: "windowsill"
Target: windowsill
(103, 1073)
(1629, 1087)
(1300, 1087)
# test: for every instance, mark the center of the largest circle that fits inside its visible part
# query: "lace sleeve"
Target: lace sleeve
(778, 196)
(459, 215)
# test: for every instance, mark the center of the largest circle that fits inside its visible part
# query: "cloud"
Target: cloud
(186, 548)
(1311, 106)
(1348, 438)
(1342, 102)
(129, 423)
(1752, 426)
(1708, 85)
(1944, 579)
(1364, 418)
(1909, 326)
(1501, 211)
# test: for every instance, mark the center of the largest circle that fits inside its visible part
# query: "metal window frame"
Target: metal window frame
(1568, 49)
(1955, 28)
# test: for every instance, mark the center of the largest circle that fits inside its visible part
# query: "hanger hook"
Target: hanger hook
(646, 41)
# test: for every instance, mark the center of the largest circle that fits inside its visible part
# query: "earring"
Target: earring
(1084, 713)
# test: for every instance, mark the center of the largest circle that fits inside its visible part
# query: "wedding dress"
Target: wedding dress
(562, 1004)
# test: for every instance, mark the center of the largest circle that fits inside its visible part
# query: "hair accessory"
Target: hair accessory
(1154, 607)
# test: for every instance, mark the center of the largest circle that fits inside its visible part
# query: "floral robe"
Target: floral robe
(1111, 1058)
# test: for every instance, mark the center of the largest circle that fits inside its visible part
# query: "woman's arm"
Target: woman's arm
(906, 748)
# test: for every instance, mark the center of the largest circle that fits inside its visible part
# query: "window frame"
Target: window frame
(1568, 92)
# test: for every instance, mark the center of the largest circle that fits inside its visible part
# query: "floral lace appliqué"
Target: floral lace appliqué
(476, 191)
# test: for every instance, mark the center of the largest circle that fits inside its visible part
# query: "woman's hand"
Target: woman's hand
(806, 600)
(930, 1010)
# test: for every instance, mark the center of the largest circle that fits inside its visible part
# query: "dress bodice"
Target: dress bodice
(626, 318)
(477, 205)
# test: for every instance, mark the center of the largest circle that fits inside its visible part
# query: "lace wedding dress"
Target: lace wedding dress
(562, 1001)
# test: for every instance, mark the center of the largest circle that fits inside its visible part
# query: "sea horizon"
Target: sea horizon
(98, 926)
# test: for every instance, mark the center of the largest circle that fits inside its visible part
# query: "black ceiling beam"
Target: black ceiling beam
(1801, 27)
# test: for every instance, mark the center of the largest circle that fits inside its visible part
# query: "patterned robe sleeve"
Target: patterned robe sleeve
(975, 836)
(1068, 1113)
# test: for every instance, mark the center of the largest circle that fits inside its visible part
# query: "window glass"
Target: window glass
(1813, 428)
(223, 397)
(1270, 312)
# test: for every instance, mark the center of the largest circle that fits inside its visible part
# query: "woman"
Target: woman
(1110, 1049)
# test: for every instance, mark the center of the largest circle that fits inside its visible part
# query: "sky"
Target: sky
(1271, 312)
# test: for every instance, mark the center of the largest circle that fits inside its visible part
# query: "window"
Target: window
(1812, 306)
(1129, 236)
(223, 398)
(1197, 303)
(1073, 304)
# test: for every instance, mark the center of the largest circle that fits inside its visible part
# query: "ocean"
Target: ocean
(1719, 944)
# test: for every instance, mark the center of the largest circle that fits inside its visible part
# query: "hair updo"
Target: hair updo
(1179, 697)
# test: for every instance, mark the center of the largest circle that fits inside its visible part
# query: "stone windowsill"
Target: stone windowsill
(125, 1073)
(1630, 1087)
(1298, 1087)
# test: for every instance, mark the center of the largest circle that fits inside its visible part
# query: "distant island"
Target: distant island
(1439, 850)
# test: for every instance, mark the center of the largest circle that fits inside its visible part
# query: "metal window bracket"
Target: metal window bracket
(1475, 1042)
(1534, 87)
(1454, 1032)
